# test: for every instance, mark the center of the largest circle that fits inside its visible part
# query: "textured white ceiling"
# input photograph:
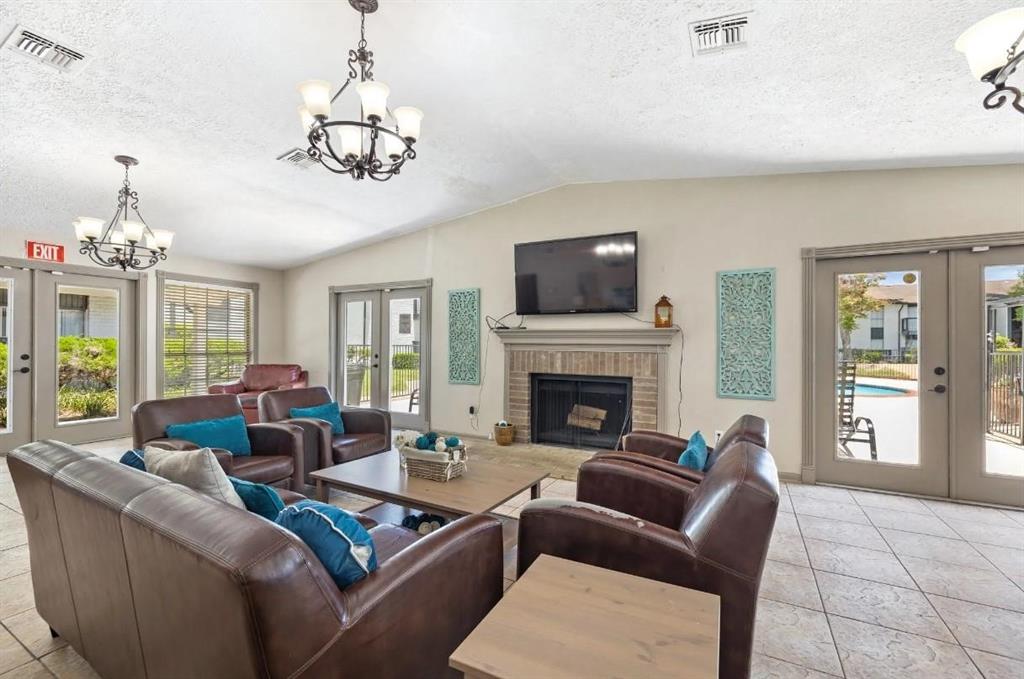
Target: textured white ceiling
(518, 96)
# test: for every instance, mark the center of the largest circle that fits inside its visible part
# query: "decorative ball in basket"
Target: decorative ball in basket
(432, 456)
(504, 433)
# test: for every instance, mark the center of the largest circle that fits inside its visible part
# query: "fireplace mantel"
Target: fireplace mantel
(616, 339)
(640, 353)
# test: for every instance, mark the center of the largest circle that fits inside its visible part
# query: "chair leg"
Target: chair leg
(53, 634)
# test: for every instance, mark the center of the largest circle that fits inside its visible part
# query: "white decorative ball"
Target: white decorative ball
(440, 445)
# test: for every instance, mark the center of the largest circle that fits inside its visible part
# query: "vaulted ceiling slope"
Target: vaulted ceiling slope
(519, 97)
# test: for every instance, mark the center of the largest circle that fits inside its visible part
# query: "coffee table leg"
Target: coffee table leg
(321, 491)
(535, 491)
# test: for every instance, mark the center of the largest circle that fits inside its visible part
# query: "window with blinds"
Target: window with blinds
(207, 335)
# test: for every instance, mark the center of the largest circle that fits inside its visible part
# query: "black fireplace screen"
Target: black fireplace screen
(579, 410)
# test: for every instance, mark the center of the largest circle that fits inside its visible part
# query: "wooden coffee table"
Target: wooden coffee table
(484, 486)
(565, 619)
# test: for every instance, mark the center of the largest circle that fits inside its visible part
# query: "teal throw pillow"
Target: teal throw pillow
(228, 433)
(341, 543)
(696, 454)
(258, 498)
(330, 412)
(133, 458)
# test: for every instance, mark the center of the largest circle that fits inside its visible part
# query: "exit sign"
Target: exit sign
(47, 252)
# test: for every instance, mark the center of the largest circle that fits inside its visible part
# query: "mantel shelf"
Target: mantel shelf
(626, 337)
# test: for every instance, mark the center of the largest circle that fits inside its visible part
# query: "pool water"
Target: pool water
(876, 390)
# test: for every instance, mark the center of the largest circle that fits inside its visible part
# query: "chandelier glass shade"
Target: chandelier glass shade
(991, 47)
(376, 145)
(126, 241)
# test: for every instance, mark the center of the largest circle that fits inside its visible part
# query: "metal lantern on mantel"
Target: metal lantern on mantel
(663, 313)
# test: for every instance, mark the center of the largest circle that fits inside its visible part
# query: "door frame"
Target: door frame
(810, 256)
(141, 279)
(334, 327)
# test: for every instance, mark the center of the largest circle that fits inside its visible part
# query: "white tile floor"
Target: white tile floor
(857, 584)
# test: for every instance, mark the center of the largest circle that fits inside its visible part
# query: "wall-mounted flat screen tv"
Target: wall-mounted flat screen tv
(594, 274)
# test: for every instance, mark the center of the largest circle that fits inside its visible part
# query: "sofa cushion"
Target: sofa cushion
(342, 544)
(261, 377)
(329, 412)
(262, 468)
(696, 454)
(258, 498)
(197, 469)
(228, 433)
(389, 540)
(348, 447)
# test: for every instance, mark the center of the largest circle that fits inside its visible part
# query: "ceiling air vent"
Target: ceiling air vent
(298, 158)
(712, 36)
(46, 50)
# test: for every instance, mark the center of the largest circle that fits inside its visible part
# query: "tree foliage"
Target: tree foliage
(855, 303)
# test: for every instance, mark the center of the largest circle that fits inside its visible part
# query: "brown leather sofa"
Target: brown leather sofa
(661, 451)
(277, 452)
(367, 430)
(260, 377)
(146, 578)
(712, 536)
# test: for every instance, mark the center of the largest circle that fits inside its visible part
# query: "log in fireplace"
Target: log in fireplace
(579, 410)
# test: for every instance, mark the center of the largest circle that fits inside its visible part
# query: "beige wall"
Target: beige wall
(270, 332)
(689, 229)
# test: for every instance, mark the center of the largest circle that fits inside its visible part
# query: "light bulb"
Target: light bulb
(162, 239)
(307, 119)
(408, 119)
(394, 146)
(374, 96)
(316, 95)
(87, 228)
(351, 140)
(133, 230)
(985, 43)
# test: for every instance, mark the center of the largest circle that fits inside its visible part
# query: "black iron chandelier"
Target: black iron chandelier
(992, 56)
(123, 243)
(353, 147)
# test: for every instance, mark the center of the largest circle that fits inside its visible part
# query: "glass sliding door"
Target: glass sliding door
(382, 352)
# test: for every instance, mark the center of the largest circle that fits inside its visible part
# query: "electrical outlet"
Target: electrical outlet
(718, 436)
(490, 436)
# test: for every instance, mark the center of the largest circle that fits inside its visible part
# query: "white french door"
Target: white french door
(67, 356)
(382, 352)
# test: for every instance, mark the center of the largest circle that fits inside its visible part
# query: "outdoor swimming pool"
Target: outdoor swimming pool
(876, 390)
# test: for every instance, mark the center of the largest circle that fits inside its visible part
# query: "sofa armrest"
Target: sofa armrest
(423, 602)
(634, 489)
(316, 442)
(587, 533)
(655, 444)
(366, 421)
(669, 467)
(279, 438)
(235, 387)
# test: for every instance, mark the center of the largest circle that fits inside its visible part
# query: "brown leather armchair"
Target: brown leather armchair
(147, 578)
(367, 430)
(260, 377)
(277, 452)
(712, 536)
(661, 451)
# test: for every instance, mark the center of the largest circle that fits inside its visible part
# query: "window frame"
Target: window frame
(165, 277)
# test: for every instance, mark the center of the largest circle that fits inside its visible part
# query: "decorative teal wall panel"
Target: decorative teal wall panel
(746, 334)
(464, 336)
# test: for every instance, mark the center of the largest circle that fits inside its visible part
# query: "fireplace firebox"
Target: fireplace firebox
(584, 411)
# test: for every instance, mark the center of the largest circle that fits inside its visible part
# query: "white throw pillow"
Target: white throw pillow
(197, 469)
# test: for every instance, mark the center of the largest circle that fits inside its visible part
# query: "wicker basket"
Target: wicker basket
(504, 436)
(435, 466)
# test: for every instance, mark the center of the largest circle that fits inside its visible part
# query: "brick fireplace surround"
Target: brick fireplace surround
(637, 353)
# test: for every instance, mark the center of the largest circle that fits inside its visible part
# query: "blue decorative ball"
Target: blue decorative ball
(423, 443)
(451, 441)
(432, 437)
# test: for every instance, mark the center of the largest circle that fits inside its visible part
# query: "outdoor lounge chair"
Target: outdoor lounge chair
(851, 429)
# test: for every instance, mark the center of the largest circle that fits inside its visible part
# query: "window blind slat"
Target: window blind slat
(208, 335)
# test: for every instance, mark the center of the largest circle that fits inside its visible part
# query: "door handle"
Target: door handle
(939, 389)
(24, 370)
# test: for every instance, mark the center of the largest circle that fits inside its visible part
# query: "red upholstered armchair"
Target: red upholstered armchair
(260, 377)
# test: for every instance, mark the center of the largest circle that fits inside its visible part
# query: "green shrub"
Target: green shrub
(405, 360)
(871, 357)
(87, 363)
(76, 404)
(1004, 343)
